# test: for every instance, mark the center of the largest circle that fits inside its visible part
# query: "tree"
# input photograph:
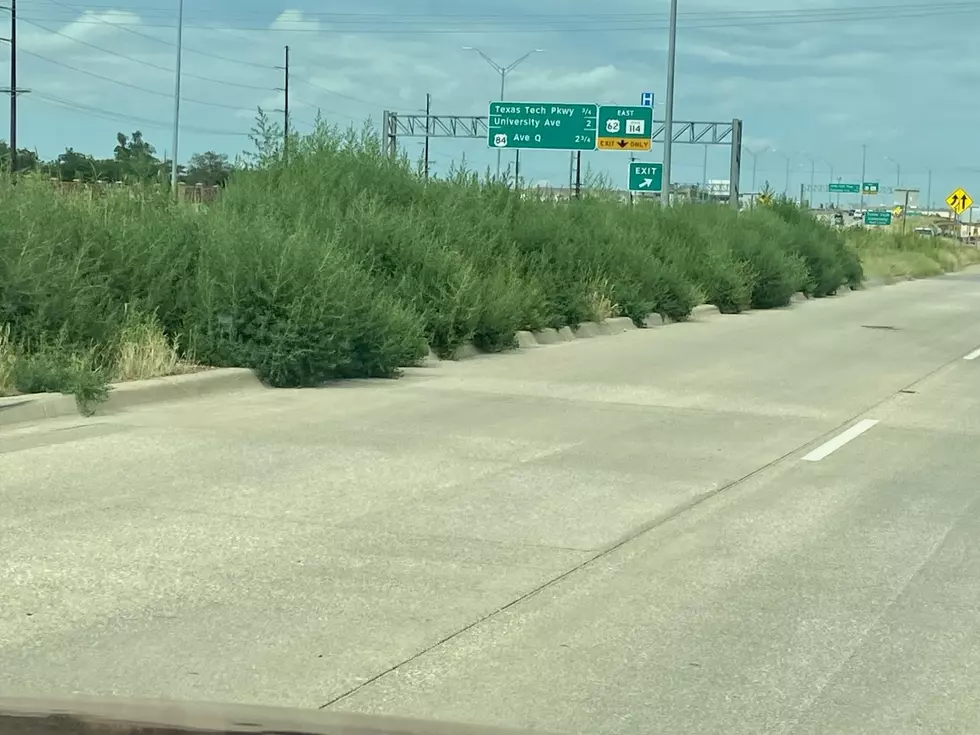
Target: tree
(208, 168)
(26, 160)
(137, 158)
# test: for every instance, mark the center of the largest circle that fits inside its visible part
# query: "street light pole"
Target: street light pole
(864, 170)
(180, 46)
(898, 170)
(503, 71)
(669, 111)
(755, 163)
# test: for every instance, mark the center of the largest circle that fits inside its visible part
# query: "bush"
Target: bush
(346, 263)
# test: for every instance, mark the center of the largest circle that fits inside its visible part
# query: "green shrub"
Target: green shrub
(346, 263)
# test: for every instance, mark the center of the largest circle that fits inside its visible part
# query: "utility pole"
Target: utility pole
(13, 90)
(13, 85)
(428, 130)
(929, 192)
(669, 111)
(864, 169)
(180, 48)
(503, 71)
(285, 109)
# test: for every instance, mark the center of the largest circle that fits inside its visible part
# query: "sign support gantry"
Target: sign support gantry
(397, 125)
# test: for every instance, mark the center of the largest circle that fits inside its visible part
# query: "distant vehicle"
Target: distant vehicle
(838, 219)
(926, 231)
(850, 212)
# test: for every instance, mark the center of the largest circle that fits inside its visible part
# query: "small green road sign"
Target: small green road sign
(844, 188)
(552, 126)
(877, 217)
(870, 188)
(646, 176)
(625, 128)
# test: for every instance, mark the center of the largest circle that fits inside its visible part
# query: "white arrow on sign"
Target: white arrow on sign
(646, 183)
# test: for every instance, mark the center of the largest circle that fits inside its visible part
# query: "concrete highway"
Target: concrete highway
(765, 523)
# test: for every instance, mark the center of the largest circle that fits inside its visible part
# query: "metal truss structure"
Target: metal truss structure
(396, 125)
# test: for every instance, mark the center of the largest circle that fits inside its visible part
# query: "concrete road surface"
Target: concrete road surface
(765, 523)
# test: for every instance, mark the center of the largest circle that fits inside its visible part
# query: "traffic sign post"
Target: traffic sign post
(870, 188)
(549, 126)
(625, 128)
(645, 177)
(877, 217)
(844, 188)
(959, 201)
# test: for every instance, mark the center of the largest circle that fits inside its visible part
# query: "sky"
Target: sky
(812, 80)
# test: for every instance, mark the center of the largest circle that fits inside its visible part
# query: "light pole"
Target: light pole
(898, 170)
(789, 162)
(503, 71)
(864, 170)
(180, 47)
(669, 111)
(755, 163)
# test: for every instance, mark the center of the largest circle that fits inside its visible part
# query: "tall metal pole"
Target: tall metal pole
(503, 80)
(830, 197)
(898, 171)
(929, 192)
(669, 111)
(704, 169)
(180, 48)
(13, 85)
(864, 170)
(285, 109)
(428, 127)
(503, 71)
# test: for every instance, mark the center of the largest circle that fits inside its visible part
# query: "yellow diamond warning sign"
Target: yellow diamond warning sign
(623, 144)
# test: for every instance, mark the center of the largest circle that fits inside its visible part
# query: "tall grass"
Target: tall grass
(889, 254)
(344, 263)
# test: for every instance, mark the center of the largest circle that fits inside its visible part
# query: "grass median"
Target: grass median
(890, 254)
(345, 263)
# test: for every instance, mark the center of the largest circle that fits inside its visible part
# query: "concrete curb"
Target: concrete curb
(526, 339)
(653, 320)
(40, 406)
(704, 310)
(547, 337)
(617, 325)
(36, 407)
(586, 330)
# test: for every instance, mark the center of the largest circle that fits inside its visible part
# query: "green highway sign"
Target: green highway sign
(625, 128)
(873, 217)
(646, 176)
(845, 188)
(552, 126)
(870, 188)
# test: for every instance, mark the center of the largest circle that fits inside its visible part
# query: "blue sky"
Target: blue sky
(811, 79)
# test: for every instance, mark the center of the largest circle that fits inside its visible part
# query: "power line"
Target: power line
(585, 17)
(133, 86)
(424, 24)
(112, 116)
(120, 27)
(331, 92)
(149, 64)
